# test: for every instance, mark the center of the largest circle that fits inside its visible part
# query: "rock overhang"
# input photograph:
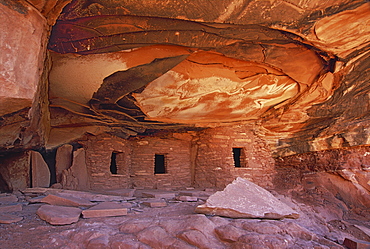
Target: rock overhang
(308, 57)
(232, 73)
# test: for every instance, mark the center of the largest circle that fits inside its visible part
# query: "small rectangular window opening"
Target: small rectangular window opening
(113, 163)
(159, 164)
(238, 155)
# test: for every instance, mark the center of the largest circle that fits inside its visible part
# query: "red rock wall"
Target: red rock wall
(135, 162)
(178, 163)
(98, 158)
(15, 172)
(352, 160)
(215, 163)
(202, 160)
(23, 42)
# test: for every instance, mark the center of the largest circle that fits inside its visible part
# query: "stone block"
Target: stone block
(35, 190)
(105, 209)
(121, 192)
(158, 194)
(356, 244)
(155, 203)
(11, 208)
(57, 215)
(8, 199)
(86, 195)
(126, 204)
(9, 218)
(37, 199)
(196, 193)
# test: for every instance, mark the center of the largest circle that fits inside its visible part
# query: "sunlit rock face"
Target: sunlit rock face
(19, 75)
(292, 68)
(197, 91)
(298, 70)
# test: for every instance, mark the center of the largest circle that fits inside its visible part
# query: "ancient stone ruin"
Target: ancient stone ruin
(184, 124)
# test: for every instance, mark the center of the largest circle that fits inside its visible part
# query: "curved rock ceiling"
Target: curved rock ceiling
(297, 70)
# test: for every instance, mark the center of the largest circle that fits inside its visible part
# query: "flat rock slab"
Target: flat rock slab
(126, 204)
(187, 198)
(35, 190)
(244, 199)
(57, 215)
(9, 218)
(8, 199)
(40, 170)
(121, 192)
(66, 201)
(356, 244)
(77, 194)
(155, 203)
(11, 208)
(158, 194)
(37, 199)
(196, 193)
(85, 195)
(105, 209)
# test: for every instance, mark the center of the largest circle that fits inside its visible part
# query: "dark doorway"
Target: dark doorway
(4, 187)
(159, 164)
(238, 155)
(113, 163)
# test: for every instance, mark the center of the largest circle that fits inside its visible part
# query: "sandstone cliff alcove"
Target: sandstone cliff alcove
(187, 94)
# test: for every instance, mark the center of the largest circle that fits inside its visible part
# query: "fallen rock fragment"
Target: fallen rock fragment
(187, 198)
(36, 190)
(57, 215)
(158, 194)
(244, 199)
(11, 208)
(9, 218)
(356, 244)
(155, 203)
(40, 170)
(121, 192)
(8, 199)
(37, 199)
(201, 195)
(66, 201)
(197, 193)
(126, 204)
(105, 209)
(85, 195)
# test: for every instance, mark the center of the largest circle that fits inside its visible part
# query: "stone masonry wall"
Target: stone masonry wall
(98, 159)
(175, 148)
(215, 163)
(202, 159)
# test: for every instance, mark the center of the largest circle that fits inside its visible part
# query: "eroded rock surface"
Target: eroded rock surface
(176, 225)
(58, 215)
(285, 74)
(105, 209)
